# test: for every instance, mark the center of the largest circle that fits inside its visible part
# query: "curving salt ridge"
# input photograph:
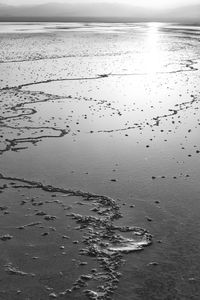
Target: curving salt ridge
(16, 143)
(12, 144)
(103, 240)
(188, 64)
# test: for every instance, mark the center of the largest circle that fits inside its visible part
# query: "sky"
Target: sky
(154, 4)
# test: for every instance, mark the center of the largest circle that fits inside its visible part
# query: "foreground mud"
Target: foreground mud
(38, 246)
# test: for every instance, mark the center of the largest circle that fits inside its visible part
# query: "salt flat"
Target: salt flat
(99, 151)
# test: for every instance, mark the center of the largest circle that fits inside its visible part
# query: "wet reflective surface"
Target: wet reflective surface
(109, 110)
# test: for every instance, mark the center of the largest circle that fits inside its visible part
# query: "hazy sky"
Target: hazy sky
(144, 3)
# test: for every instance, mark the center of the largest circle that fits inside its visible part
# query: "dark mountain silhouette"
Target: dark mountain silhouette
(96, 12)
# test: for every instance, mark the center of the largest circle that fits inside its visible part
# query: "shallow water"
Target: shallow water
(110, 110)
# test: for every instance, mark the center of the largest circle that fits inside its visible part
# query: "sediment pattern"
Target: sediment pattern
(59, 93)
(102, 240)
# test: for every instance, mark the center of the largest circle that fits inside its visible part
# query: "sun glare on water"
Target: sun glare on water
(152, 59)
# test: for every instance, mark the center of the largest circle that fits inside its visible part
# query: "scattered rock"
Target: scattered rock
(6, 237)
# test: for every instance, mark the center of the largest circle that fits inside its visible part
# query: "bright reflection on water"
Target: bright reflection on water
(152, 55)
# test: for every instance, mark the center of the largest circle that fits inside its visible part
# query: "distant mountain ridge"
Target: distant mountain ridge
(96, 12)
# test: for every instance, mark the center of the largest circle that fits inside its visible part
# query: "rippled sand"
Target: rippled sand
(99, 158)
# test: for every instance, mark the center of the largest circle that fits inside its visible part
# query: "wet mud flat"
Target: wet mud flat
(99, 158)
(43, 253)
